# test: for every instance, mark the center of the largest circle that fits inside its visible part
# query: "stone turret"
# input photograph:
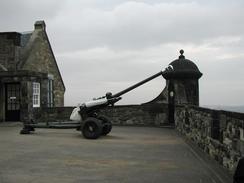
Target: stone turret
(182, 81)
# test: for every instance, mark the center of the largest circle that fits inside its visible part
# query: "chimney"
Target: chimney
(40, 25)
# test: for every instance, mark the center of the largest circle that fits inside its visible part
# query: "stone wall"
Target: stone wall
(2, 102)
(38, 56)
(52, 114)
(141, 115)
(25, 79)
(218, 133)
(186, 91)
(9, 49)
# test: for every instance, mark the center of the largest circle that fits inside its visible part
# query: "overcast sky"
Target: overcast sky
(108, 45)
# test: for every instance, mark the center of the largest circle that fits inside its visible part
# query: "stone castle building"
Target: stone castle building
(29, 75)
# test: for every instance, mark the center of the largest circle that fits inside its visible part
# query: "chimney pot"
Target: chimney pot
(40, 24)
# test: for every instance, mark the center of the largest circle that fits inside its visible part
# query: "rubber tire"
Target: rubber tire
(32, 129)
(95, 125)
(24, 131)
(107, 125)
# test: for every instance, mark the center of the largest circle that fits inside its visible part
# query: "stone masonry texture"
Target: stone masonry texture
(40, 54)
(218, 133)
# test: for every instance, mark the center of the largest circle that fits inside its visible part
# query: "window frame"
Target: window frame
(36, 94)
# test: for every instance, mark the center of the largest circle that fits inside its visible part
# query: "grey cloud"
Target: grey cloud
(135, 25)
(20, 16)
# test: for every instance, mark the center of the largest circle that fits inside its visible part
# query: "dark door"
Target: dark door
(171, 105)
(12, 102)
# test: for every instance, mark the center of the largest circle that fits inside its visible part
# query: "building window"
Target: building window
(50, 93)
(36, 94)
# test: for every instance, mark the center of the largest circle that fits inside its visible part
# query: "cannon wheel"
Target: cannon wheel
(92, 128)
(107, 125)
(27, 130)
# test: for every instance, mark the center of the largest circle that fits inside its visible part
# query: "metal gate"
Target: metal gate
(12, 102)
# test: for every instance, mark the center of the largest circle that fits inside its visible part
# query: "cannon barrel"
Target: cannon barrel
(137, 84)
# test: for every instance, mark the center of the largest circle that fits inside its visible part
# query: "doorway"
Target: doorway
(171, 102)
(12, 101)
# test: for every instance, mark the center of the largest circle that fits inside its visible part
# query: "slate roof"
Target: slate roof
(24, 38)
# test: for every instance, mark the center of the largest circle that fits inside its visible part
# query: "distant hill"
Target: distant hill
(226, 108)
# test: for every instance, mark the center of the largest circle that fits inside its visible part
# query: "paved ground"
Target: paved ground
(128, 154)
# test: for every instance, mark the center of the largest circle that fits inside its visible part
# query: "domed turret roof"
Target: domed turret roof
(182, 68)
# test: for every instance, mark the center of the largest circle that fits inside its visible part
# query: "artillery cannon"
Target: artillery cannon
(85, 117)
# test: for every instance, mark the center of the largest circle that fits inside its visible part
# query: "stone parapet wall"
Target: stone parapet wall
(139, 115)
(53, 114)
(218, 133)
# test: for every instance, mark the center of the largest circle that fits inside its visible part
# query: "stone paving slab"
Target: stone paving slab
(127, 154)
